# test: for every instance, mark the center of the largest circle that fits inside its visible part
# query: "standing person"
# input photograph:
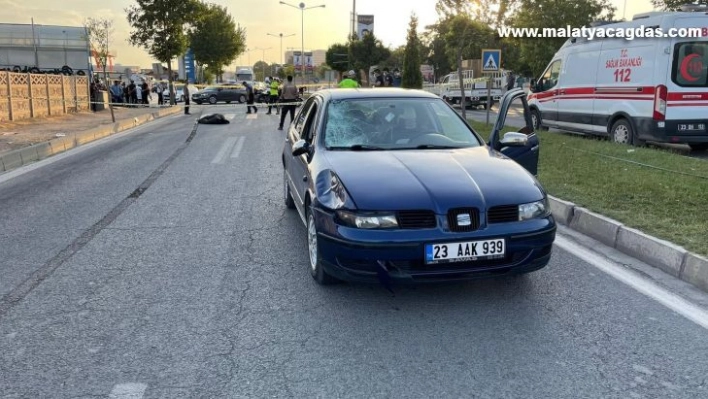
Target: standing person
(348, 82)
(289, 96)
(397, 78)
(250, 98)
(187, 96)
(510, 80)
(133, 92)
(273, 96)
(387, 78)
(145, 90)
(378, 78)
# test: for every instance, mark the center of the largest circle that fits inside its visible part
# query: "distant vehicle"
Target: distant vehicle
(179, 93)
(649, 89)
(245, 74)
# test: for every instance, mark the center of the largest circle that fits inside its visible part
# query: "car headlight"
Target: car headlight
(368, 220)
(331, 192)
(534, 210)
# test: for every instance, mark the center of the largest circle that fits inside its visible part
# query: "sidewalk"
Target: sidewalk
(23, 133)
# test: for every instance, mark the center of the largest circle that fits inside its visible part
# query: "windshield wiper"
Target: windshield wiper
(436, 147)
(360, 147)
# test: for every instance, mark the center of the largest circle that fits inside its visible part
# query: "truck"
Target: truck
(476, 91)
(245, 74)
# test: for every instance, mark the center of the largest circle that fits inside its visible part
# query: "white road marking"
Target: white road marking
(131, 390)
(252, 116)
(229, 117)
(639, 283)
(225, 148)
(238, 147)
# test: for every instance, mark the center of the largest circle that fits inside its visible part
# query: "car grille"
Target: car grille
(503, 214)
(416, 219)
(453, 222)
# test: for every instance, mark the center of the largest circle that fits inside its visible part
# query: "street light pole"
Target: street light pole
(282, 55)
(302, 9)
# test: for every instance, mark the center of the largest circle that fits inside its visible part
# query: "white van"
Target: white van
(646, 89)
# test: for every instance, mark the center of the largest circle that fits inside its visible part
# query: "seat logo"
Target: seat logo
(464, 219)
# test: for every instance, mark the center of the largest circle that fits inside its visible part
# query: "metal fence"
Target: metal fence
(26, 95)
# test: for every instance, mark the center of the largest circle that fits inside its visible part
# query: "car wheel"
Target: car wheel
(699, 146)
(289, 202)
(181, 99)
(212, 100)
(622, 133)
(242, 99)
(536, 119)
(316, 269)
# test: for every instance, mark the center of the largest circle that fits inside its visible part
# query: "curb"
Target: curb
(666, 256)
(36, 152)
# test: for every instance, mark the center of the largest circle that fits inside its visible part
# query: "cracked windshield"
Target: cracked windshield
(354, 199)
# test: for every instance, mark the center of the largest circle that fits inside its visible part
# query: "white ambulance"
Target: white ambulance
(645, 89)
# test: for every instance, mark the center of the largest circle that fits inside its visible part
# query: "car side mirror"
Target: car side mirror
(514, 139)
(301, 147)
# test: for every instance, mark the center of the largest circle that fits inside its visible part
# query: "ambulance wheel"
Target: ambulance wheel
(622, 133)
(536, 119)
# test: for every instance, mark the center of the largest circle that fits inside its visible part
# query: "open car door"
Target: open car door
(521, 145)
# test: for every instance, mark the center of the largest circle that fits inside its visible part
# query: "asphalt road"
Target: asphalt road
(516, 118)
(163, 264)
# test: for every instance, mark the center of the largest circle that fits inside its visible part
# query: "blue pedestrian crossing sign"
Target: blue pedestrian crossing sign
(491, 60)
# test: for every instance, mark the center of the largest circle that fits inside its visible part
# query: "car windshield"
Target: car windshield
(395, 124)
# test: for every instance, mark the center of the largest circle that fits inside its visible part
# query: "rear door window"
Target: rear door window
(690, 64)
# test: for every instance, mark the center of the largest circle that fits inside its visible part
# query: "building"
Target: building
(46, 47)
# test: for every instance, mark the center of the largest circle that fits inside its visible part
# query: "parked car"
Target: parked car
(442, 204)
(215, 94)
(179, 93)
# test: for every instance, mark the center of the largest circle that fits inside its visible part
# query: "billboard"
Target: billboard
(365, 25)
(297, 60)
(308, 60)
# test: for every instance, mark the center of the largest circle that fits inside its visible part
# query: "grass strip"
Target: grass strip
(658, 192)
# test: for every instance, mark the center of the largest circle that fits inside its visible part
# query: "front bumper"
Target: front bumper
(351, 254)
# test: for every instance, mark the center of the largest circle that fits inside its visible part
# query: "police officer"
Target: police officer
(273, 96)
(348, 82)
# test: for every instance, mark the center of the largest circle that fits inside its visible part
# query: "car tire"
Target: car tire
(287, 195)
(212, 100)
(699, 146)
(536, 119)
(622, 133)
(316, 270)
(181, 99)
(242, 99)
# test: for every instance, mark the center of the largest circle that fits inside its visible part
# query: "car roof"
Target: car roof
(363, 93)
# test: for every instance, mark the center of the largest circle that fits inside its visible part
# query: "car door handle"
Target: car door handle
(304, 178)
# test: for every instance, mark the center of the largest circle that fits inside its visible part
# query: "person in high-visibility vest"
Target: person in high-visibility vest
(274, 85)
(348, 82)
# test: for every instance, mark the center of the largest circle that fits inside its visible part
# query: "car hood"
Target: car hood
(433, 179)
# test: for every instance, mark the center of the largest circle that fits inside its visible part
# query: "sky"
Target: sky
(322, 26)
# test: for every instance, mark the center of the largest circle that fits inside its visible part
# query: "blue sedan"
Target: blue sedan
(392, 184)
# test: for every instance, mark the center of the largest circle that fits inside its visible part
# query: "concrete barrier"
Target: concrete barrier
(562, 210)
(595, 225)
(11, 160)
(44, 150)
(658, 253)
(695, 271)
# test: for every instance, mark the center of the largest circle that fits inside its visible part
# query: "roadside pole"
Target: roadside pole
(489, 96)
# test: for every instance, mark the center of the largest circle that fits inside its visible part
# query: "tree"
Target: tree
(673, 5)
(395, 60)
(537, 52)
(261, 69)
(412, 78)
(367, 52)
(213, 26)
(160, 27)
(337, 57)
(493, 13)
(100, 35)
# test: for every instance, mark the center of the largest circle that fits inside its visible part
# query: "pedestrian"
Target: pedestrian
(250, 98)
(510, 80)
(397, 78)
(288, 96)
(145, 90)
(387, 78)
(378, 78)
(185, 91)
(348, 82)
(273, 96)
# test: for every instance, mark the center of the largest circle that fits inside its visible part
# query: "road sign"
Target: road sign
(491, 60)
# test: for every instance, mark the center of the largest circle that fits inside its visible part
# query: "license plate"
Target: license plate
(690, 127)
(465, 251)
